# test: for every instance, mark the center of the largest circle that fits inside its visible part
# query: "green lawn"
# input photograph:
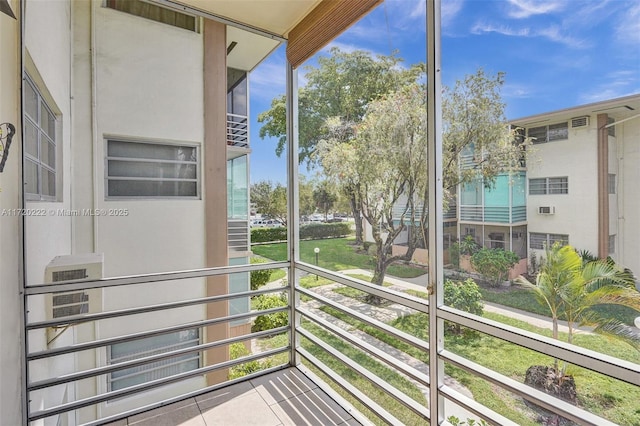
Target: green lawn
(524, 299)
(336, 254)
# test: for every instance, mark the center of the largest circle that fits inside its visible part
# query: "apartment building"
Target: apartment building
(578, 186)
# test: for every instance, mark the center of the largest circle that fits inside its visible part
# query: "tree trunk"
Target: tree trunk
(355, 210)
(378, 273)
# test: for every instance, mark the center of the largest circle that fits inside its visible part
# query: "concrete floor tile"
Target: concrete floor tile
(183, 413)
(281, 385)
(310, 408)
(244, 410)
(223, 395)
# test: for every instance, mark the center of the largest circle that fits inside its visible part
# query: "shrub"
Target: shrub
(239, 350)
(266, 235)
(313, 231)
(454, 255)
(269, 321)
(494, 264)
(463, 295)
(259, 278)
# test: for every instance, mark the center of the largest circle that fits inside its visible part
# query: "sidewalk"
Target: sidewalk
(420, 284)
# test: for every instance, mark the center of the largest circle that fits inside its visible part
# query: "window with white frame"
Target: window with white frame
(612, 244)
(553, 185)
(552, 132)
(151, 170)
(39, 145)
(154, 12)
(127, 351)
(540, 241)
(611, 183)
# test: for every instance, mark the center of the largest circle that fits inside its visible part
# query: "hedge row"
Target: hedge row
(313, 231)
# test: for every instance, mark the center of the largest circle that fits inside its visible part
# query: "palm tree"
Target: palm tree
(573, 287)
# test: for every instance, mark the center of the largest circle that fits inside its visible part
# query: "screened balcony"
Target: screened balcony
(162, 333)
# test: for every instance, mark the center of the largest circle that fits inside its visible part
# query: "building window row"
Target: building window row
(154, 13)
(611, 183)
(39, 145)
(552, 132)
(552, 185)
(127, 351)
(151, 170)
(540, 241)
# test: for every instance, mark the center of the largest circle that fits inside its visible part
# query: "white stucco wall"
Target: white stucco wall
(628, 139)
(11, 396)
(576, 158)
(148, 81)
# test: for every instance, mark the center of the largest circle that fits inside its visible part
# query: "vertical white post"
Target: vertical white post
(293, 216)
(434, 155)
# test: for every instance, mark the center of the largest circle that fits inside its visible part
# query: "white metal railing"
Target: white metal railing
(237, 130)
(612, 367)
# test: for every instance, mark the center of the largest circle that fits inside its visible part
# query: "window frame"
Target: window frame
(553, 132)
(544, 240)
(51, 139)
(147, 369)
(611, 183)
(151, 142)
(557, 185)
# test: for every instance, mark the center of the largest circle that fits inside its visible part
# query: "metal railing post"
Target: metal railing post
(293, 217)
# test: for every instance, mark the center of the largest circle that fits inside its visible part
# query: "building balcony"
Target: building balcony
(493, 214)
(237, 130)
(336, 360)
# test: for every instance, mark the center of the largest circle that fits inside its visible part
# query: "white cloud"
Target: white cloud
(520, 9)
(449, 10)
(615, 84)
(553, 33)
(517, 91)
(268, 79)
(628, 26)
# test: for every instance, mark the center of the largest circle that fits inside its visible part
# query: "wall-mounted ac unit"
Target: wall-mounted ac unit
(88, 266)
(546, 210)
(580, 121)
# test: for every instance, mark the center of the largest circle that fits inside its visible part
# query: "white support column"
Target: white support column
(434, 155)
(293, 208)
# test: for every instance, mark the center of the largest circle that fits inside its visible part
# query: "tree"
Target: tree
(270, 200)
(474, 123)
(324, 197)
(571, 287)
(305, 196)
(385, 164)
(342, 86)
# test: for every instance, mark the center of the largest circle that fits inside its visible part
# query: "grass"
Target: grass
(598, 394)
(525, 300)
(336, 254)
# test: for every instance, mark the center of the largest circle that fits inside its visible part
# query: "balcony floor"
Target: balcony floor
(286, 397)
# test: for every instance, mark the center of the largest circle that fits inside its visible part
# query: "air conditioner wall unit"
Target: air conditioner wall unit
(546, 210)
(58, 305)
(582, 121)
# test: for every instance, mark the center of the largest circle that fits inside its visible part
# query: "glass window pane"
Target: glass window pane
(151, 170)
(153, 188)
(558, 131)
(47, 153)
(30, 101)
(558, 185)
(47, 120)
(537, 241)
(538, 134)
(30, 177)
(30, 139)
(48, 182)
(151, 151)
(537, 186)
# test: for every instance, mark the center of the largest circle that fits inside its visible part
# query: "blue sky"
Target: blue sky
(555, 53)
